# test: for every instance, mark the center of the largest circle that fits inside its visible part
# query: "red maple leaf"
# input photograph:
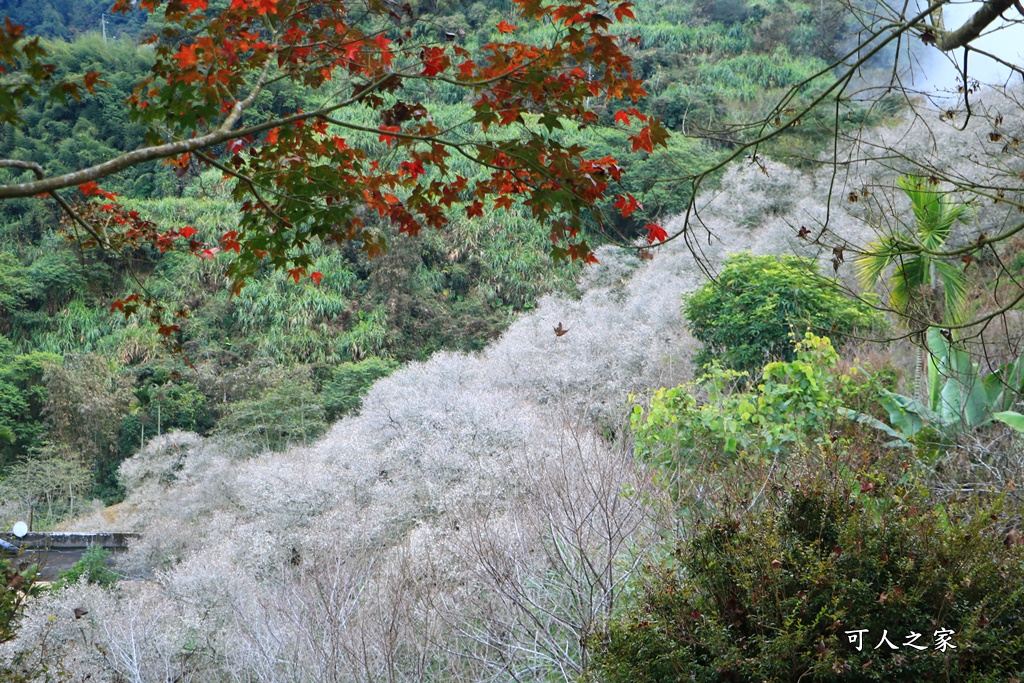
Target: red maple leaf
(655, 233)
(627, 205)
(90, 188)
(316, 277)
(642, 140)
(476, 209)
(385, 53)
(194, 5)
(384, 137)
(506, 27)
(91, 79)
(187, 231)
(352, 51)
(622, 117)
(623, 11)
(186, 56)
(413, 168)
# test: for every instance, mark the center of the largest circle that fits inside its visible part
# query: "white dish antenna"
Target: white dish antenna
(20, 529)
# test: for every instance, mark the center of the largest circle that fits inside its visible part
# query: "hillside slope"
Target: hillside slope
(439, 498)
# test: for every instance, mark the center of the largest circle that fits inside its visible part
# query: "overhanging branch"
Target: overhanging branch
(973, 27)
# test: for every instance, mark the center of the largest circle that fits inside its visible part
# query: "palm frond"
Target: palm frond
(954, 285)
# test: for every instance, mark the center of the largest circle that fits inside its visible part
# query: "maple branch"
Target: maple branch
(972, 28)
(173, 149)
(236, 111)
(997, 59)
(23, 165)
(68, 209)
(245, 179)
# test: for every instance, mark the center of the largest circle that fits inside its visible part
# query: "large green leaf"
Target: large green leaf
(899, 441)
(954, 288)
(1011, 419)
(908, 415)
(938, 350)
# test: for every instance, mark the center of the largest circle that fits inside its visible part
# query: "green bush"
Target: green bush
(93, 566)
(795, 401)
(344, 392)
(22, 397)
(162, 408)
(746, 318)
(772, 595)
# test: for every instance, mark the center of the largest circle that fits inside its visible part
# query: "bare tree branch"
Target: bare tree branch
(973, 27)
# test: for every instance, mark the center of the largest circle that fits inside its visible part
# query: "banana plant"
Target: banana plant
(958, 395)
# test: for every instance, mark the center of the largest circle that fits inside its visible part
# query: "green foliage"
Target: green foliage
(343, 393)
(85, 401)
(18, 585)
(67, 136)
(288, 412)
(959, 396)
(917, 276)
(160, 406)
(23, 396)
(746, 318)
(770, 595)
(68, 18)
(93, 566)
(50, 482)
(793, 400)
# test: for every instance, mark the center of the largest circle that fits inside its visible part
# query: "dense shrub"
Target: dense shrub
(747, 317)
(22, 397)
(162, 408)
(705, 420)
(93, 566)
(772, 595)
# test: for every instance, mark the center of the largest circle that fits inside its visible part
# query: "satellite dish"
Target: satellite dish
(20, 529)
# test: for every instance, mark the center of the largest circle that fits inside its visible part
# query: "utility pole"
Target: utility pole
(103, 26)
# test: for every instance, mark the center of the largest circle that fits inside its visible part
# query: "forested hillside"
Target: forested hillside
(277, 363)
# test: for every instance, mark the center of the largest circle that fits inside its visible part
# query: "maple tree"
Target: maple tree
(370, 151)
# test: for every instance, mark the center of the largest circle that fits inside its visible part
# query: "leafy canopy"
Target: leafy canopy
(370, 151)
(746, 318)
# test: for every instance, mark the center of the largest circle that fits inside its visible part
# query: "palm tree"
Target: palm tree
(915, 269)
